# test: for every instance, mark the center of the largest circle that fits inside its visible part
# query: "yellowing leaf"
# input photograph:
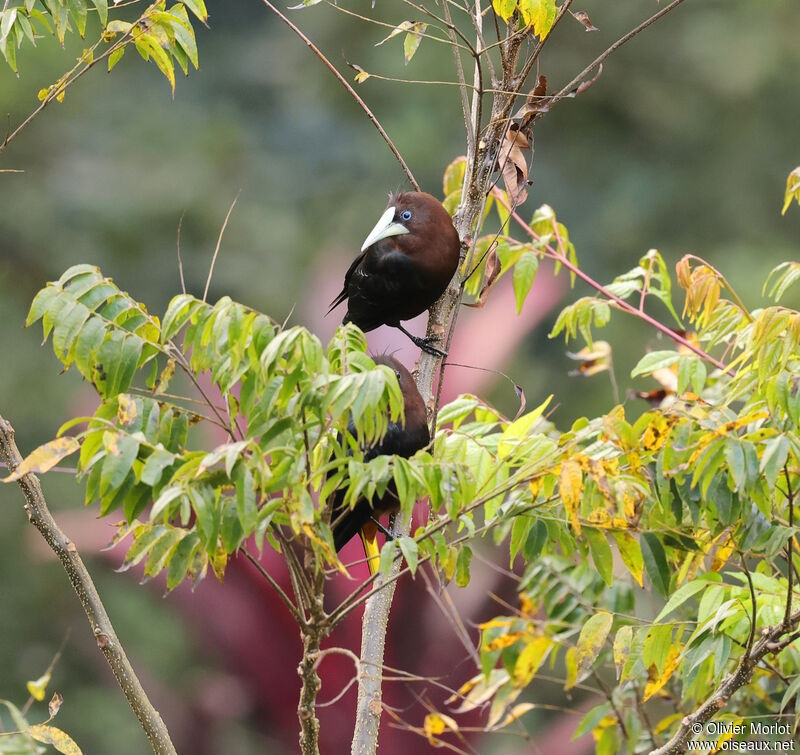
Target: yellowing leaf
(540, 14)
(45, 457)
(631, 554)
(504, 640)
(592, 361)
(50, 735)
(454, 175)
(412, 40)
(570, 486)
(37, 688)
(725, 547)
(504, 8)
(792, 189)
(435, 724)
(517, 711)
(126, 411)
(571, 667)
(656, 432)
(326, 549)
(622, 647)
(591, 640)
(530, 660)
(655, 681)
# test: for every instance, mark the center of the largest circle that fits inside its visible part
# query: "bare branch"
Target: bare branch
(298, 617)
(769, 643)
(219, 242)
(569, 88)
(558, 255)
(346, 85)
(39, 515)
(180, 261)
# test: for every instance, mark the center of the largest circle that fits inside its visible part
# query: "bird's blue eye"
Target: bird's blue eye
(405, 215)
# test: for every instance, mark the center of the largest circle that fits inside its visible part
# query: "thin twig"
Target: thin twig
(180, 261)
(568, 88)
(298, 617)
(48, 670)
(375, 122)
(219, 242)
(102, 629)
(620, 303)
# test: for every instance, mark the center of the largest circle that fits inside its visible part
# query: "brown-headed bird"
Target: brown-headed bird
(405, 264)
(401, 439)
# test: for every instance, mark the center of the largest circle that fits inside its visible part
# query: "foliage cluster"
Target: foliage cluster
(694, 497)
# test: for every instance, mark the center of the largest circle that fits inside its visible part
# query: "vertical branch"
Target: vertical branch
(787, 616)
(306, 708)
(481, 160)
(104, 634)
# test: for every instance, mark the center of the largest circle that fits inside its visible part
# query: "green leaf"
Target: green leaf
(655, 360)
(115, 57)
(155, 465)
(388, 552)
(181, 559)
(631, 554)
(655, 561)
(523, 277)
(102, 10)
(683, 593)
(462, 565)
(41, 303)
(601, 554)
(410, 551)
(121, 451)
(691, 369)
(591, 640)
(184, 33)
(198, 7)
(412, 40)
(519, 535)
(119, 27)
(592, 718)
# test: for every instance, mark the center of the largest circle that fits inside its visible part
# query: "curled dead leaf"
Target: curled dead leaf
(584, 85)
(513, 165)
(490, 273)
(56, 701)
(582, 17)
(592, 361)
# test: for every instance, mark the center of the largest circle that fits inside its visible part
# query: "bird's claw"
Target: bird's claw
(426, 344)
(388, 534)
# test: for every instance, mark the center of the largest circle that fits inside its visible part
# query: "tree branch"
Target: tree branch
(568, 88)
(363, 105)
(41, 518)
(770, 642)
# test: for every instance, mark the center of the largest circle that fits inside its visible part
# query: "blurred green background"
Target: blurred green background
(683, 144)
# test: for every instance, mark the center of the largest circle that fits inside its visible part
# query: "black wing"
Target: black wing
(378, 286)
(343, 294)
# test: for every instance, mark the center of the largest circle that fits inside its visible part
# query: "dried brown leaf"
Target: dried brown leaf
(513, 165)
(582, 17)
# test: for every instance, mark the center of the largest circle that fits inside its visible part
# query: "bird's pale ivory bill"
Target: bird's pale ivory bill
(384, 228)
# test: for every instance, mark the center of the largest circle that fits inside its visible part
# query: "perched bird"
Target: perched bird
(404, 440)
(405, 264)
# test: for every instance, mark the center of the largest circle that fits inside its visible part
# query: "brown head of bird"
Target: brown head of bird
(405, 264)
